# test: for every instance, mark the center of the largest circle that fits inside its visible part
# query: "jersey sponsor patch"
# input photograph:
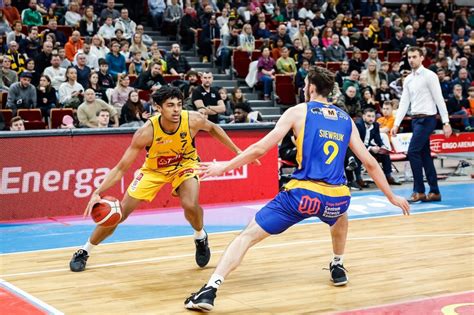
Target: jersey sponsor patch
(164, 161)
(329, 113)
(137, 179)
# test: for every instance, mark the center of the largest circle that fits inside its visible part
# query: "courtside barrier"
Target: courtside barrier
(53, 172)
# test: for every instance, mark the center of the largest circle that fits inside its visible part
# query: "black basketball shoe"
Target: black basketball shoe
(203, 253)
(338, 274)
(78, 261)
(203, 300)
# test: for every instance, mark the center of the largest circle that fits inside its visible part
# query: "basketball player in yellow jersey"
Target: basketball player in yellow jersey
(171, 158)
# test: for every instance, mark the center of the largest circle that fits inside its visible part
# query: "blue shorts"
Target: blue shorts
(300, 200)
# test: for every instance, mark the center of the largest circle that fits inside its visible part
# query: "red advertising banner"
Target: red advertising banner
(457, 143)
(52, 176)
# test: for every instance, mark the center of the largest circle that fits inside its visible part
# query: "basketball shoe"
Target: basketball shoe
(338, 274)
(78, 261)
(203, 253)
(202, 300)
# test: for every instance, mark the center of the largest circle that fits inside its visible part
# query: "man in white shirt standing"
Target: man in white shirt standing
(422, 91)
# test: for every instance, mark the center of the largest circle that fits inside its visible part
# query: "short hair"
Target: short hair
(322, 78)
(388, 103)
(166, 92)
(102, 110)
(415, 48)
(15, 119)
(243, 106)
(192, 72)
(470, 89)
(369, 110)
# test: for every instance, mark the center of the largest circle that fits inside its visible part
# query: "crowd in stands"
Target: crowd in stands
(93, 55)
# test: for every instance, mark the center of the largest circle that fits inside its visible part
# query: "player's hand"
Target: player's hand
(394, 131)
(256, 162)
(447, 130)
(95, 198)
(402, 203)
(211, 169)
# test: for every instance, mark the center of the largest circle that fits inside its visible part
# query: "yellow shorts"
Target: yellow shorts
(148, 182)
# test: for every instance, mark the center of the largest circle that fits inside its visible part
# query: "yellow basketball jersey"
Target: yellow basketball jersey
(170, 152)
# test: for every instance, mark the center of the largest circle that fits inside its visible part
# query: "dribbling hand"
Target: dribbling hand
(402, 203)
(211, 169)
(95, 198)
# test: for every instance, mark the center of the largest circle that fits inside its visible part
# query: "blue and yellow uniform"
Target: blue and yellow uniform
(171, 158)
(317, 186)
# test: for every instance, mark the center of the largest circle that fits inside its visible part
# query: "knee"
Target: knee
(191, 210)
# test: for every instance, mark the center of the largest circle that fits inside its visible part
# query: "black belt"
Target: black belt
(421, 116)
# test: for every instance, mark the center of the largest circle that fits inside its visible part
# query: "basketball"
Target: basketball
(107, 212)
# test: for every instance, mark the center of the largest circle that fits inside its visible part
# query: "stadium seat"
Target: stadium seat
(35, 125)
(364, 55)
(285, 89)
(447, 38)
(256, 54)
(56, 116)
(259, 43)
(381, 55)
(169, 78)
(7, 116)
(431, 45)
(366, 20)
(30, 114)
(241, 62)
(393, 56)
(333, 65)
(3, 99)
(349, 54)
(133, 78)
(67, 30)
(321, 64)
(144, 95)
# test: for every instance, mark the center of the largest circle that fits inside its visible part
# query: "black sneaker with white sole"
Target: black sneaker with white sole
(203, 253)
(79, 260)
(338, 274)
(203, 300)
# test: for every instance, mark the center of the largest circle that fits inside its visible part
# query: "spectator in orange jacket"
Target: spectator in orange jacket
(73, 45)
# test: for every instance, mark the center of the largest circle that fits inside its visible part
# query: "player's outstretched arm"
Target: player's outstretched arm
(140, 140)
(256, 150)
(374, 170)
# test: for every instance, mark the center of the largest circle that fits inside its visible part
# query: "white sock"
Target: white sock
(215, 281)
(88, 247)
(337, 259)
(199, 235)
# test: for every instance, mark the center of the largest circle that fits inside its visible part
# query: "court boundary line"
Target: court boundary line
(228, 232)
(426, 298)
(281, 244)
(30, 298)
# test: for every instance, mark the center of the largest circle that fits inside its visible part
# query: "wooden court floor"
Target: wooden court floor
(389, 260)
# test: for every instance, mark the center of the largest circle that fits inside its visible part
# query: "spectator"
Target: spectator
(46, 96)
(133, 113)
(241, 114)
(193, 82)
(343, 73)
(55, 72)
(297, 50)
(374, 31)
(4, 24)
(11, 13)
(305, 12)
(88, 25)
(138, 45)
(350, 103)
(73, 46)
(91, 59)
(106, 81)
(445, 83)
(116, 61)
(156, 11)
(285, 64)
(172, 16)
(125, 24)
(327, 37)
(409, 38)
(151, 79)
(262, 31)
(30, 46)
(109, 11)
(224, 52)
(365, 43)
(335, 52)
(283, 35)
(31, 16)
(457, 105)
(53, 29)
(93, 83)
(384, 69)
(318, 52)
(228, 115)
(352, 80)
(246, 39)
(87, 111)
(43, 59)
(387, 32)
(21, 94)
(369, 132)
(120, 94)
(368, 100)
(397, 85)
(189, 28)
(345, 40)
(82, 69)
(65, 63)
(17, 124)
(373, 78)
(107, 30)
(383, 93)
(388, 119)
(290, 12)
(206, 99)
(16, 34)
(301, 34)
(266, 72)
(428, 33)
(394, 72)
(103, 118)
(470, 98)
(147, 40)
(462, 80)
(71, 92)
(177, 64)
(373, 57)
(30, 68)
(73, 17)
(7, 76)
(98, 47)
(137, 65)
(209, 33)
(356, 62)
(238, 98)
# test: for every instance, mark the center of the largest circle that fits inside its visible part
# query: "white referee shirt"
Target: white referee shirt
(422, 90)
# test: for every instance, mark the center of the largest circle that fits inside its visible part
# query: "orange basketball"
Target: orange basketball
(107, 212)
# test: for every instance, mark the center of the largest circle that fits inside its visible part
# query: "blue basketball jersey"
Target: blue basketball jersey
(322, 144)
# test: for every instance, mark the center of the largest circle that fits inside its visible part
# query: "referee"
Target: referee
(422, 91)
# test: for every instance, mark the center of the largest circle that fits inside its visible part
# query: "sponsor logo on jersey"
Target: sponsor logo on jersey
(329, 113)
(164, 161)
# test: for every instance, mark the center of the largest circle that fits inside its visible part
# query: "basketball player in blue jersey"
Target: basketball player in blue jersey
(324, 132)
